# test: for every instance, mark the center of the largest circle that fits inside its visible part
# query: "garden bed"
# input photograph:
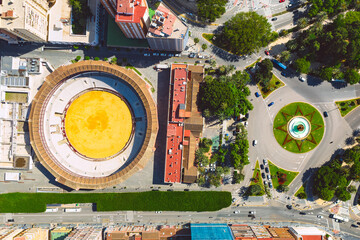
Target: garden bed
(256, 180)
(140, 201)
(281, 176)
(274, 84)
(347, 106)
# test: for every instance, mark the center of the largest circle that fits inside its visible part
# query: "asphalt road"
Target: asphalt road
(263, 215)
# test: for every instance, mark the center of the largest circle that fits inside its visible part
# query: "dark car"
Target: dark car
(270, 104)
(274, 19)
(284, 74)
(261, 166)
(207, 61)
(263, 175)
(289, 207)
(354, 225)
(326, 114)
(296, 11)
(270, 185)
(302, 213)
(257, 94)
(11, 220)
(266, 170)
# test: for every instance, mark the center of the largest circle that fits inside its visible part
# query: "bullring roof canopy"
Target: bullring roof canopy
(55, 120)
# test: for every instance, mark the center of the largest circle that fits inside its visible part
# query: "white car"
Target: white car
(319, 216)
(301, 78)
(146, 54)
(158, 211)
(236, 212)
(177, 55)
(254, 142)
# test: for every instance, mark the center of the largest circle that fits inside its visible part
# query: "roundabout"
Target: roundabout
(298, 127)
(92, 124)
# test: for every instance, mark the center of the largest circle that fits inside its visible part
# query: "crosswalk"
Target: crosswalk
(355, 210)
(336, 226)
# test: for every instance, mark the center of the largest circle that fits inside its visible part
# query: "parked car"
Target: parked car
(233, 200)
(270, 104)
(289, 6)
(262, 167)
(265, 182)
(289, 207)
(158, 211)
(177, 55)
(191, 55)
(280, 1)
(267, 170)
(296, 11)
(207, 61)
(270, 185)
(265, 161)
(171, 55)
(354, 225)
(198, 61)
(11, 220)
(257, 94)
(284, 74)
(301, 78)
(326, 114)
(268, 177)
(263, 175)
(254, 142)
(302, 213)
(163, 54)
(267, 52)
(147, 54)
(155, 54)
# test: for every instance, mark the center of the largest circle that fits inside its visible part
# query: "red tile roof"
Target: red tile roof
(175, 128)
(312, 237)
(130, 10)
(166, 21)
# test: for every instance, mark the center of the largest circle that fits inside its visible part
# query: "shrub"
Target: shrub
(302, 195)
(78, 58)
(87, 58)
(76, 47)
(96, 58)
(106, 59)
(342, 104)
(277, 82)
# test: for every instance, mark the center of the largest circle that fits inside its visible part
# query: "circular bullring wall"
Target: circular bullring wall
(93, 124)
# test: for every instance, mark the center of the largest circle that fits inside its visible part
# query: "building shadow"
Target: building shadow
(162, 108)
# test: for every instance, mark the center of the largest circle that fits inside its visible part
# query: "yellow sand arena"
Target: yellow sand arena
(98, 124)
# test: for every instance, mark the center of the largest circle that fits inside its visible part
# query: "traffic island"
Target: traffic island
(274, 84)
(298, 127)
(347, 106)
(281, 176)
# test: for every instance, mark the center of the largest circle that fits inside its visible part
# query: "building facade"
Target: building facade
(25, 20)
(132, 16)
(167, 32)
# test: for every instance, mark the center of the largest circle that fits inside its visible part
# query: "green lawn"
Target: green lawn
(275, 170)
(209, 37)
(317, 127)
(141, 201)
(346, 106)
(275, 83)
(301, 190)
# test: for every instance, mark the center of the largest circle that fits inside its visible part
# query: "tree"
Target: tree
(282, 188)
(302, 195)
(113, 60)
(241, 37)
(355, 171)
(302, 65)
(201, 181)
(326, 194)
(351, 155)
(351, 189)
(302, 23)
(204, 47)
(209, 10)
(214, 179)
(351, 76)
(238, 177)
(321, 16)
(264, 73)
(284, 56)
(196, 40)
(225, 98)
(326, 73)
(342, 194)
(255, 190)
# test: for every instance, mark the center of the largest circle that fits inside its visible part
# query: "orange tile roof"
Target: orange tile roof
(312, 237)
(130, 10)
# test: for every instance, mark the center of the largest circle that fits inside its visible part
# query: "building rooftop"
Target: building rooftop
(130, 10)
(242, 231)
(60, 29)
(165, 24)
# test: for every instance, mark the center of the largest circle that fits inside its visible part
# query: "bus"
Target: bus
(334, 216)
(279, 64)
(72, 210)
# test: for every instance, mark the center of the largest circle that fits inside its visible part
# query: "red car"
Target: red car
(280, 1)
(267, 52)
